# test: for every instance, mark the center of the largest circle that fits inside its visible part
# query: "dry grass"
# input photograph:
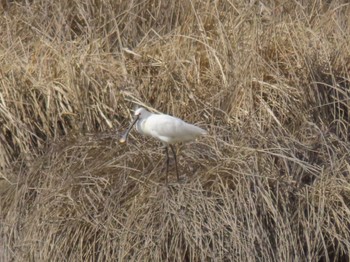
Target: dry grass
(270, 82)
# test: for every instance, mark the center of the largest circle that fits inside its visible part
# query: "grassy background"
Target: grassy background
(270, 82)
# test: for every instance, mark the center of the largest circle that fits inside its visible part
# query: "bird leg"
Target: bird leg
(174, 153)
(167, 164)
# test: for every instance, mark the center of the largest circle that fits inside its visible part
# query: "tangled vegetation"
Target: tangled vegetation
(269, 80)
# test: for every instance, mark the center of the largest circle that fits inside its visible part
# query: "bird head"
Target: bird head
(140, 113)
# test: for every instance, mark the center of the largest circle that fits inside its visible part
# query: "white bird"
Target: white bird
(167, 129)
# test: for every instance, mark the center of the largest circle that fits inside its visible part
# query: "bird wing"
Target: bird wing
(172, 128)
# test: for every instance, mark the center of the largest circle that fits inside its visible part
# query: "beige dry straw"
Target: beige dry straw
(268, 80)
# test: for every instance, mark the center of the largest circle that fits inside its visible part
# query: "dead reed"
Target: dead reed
(269, 80)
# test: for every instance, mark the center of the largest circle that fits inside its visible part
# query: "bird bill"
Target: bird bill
(124, 137)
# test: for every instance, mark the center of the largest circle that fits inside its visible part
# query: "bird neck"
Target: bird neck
(139, 126)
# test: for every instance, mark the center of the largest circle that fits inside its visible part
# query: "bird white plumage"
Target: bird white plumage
(166, 128)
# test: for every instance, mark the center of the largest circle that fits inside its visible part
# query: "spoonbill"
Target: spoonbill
(168, 129)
